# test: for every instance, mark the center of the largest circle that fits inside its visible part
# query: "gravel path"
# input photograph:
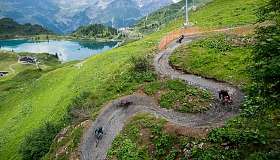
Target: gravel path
(12, 69)
(112, 118)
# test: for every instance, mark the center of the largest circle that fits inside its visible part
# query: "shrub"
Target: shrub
(38, 142)
(141, 70)
(152, 88)
(140, 64)
(215, 153)
(167, 100)
(266, 51)
(237, 137)
(163, 142)
(128, 151)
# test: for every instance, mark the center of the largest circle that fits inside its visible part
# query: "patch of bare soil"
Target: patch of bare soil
(145, 139)
(145, 135)
(174, 129)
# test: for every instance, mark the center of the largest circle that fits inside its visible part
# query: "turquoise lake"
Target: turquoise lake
(66, 50)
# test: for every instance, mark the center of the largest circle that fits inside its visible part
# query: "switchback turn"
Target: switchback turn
(112, 117)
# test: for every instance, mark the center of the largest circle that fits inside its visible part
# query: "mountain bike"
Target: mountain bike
(98, 135)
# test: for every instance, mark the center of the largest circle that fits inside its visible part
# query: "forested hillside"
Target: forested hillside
(10, 28)
(95, 31)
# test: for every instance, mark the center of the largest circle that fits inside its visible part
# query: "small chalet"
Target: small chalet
(27, 60)
(3, 73)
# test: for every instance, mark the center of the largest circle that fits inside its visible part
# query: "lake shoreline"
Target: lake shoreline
(66, 50)
(60, 37)
(63, 39)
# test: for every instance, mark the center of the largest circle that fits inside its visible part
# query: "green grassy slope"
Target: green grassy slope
(142, 139)
(226, 13)
(163, 16)
(9, 62)
(6, 60)
(204, 57)
(149, 138)
(176, 95)
(146, 138)
(24, 108)
(215, 14)
(252, 135)
(207, 57)
(47, 96)
(216, 57)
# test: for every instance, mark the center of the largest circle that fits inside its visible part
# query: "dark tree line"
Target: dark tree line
(96, 30)
(9, 27)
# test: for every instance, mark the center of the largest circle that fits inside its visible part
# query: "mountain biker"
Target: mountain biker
(180, 39)
(224, 96)
(125, 103)
(98, 134)
(99, 131)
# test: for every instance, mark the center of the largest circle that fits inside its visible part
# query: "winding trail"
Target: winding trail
(112, 118)
(11, 68)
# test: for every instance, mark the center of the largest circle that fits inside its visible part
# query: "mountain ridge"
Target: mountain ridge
(10, 28)
(59, 16)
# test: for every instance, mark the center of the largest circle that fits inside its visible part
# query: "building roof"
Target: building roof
(27, 59)
(3, 73)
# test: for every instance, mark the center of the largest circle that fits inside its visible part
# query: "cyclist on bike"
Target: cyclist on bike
(180, 39)
(224, 96)
(125, 103)
(99, 132)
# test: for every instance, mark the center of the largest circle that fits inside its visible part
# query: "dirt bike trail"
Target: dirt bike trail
(113, 118)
